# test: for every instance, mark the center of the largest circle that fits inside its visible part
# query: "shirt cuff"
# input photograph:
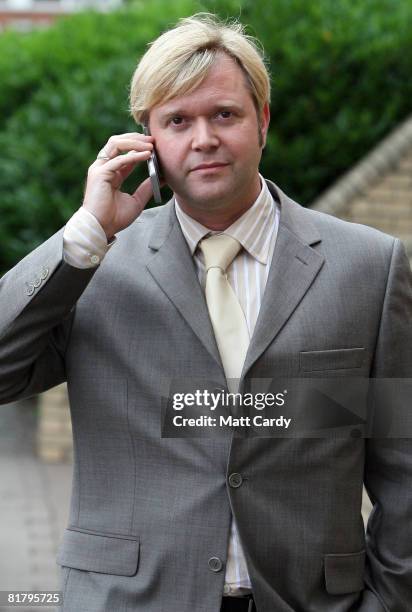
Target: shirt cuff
(84, 240)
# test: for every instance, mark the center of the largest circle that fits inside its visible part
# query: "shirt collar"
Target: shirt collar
(253, 229)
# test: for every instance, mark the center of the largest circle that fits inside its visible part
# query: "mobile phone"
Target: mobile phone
(154, 171)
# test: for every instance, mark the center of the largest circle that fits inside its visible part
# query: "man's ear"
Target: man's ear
(264, 123)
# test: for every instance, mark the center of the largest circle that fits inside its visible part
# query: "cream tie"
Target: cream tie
(232, 338)
(226, 315)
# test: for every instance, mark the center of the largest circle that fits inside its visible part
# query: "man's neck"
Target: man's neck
(213, 221)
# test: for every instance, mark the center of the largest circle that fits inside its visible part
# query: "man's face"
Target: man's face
(209, 142)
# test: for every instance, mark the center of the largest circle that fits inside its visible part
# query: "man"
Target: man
(121, 301)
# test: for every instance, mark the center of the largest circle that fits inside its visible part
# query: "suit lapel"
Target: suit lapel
(173, 269)
(294, 267)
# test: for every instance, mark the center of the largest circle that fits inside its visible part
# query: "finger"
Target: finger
(127, 144)
(127, 134)
(126, 170)
(121, 161)
(121, 146)
(144, 192)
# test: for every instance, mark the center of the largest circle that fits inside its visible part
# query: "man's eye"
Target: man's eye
(176, 120)
(226, 114)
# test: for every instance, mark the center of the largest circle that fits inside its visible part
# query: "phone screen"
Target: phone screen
(154, 171)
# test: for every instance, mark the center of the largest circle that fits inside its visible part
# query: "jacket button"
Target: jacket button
(29, 289)
(44, 273)
(37, 282)
(215, 564)
(235, 480)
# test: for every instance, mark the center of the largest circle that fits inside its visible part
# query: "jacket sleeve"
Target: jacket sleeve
(37, 307)
(388, 464)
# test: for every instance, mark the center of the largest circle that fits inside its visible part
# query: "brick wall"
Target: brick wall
(388, 204)
(378, 190)
(54, 434)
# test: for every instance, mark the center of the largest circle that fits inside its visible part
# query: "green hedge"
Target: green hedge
(341, 81)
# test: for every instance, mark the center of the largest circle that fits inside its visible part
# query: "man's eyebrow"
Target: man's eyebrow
(180, 112)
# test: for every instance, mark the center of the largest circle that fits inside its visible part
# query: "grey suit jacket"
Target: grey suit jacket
(150, 516)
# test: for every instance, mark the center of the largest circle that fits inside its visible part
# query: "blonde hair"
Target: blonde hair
(179, 60)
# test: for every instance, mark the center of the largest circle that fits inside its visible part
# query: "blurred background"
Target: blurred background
(340, 141)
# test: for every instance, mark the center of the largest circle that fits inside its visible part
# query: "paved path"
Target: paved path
(34, 502)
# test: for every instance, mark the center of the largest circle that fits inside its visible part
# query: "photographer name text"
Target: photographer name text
(231, 421)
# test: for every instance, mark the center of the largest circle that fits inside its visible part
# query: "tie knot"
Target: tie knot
(219, 251)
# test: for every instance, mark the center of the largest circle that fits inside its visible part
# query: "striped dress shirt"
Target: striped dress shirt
(256, 230)
(85, 245)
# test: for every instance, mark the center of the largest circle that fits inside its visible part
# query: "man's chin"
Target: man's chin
(208, 195)
(208, 201)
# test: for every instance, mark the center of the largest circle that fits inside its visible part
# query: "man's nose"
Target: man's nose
(204, 136)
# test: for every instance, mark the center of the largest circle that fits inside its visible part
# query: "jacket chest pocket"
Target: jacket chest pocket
(335, 359)
(96, 552)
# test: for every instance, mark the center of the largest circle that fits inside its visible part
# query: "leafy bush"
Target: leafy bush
(65, 92)
(341, 81)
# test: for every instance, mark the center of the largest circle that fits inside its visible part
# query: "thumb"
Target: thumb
(143, 193)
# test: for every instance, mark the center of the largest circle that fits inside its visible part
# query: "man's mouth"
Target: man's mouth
(209, 166)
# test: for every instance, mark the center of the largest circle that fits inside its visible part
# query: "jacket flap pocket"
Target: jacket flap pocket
(344, 572)
(95, 552)
(335, 359)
